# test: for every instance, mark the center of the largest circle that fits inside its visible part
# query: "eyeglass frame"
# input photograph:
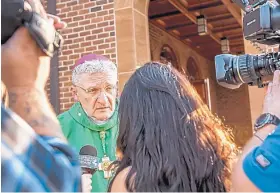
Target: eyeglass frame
(88, 90)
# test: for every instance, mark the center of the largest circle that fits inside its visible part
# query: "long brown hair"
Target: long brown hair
(169, 137)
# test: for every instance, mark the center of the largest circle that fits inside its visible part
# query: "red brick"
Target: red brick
(68, 83)
(67, 63)
(78, 18)
(108, 6)
(73, 46)
(72, 13)
(102, 24)
(96, 20)
(67, 41)
(60, 5)
(74, 24)
(88, 5)
(96, 42)
(85, 44)
(103, 35)
(110, 28)
(108, 17)
(109, 51)
(97, 31)
(62, 15)
(99, 52)
(92, 37)
(77, 7)
(69, 94)
(90, 15)
(84, 1)
(72, 35)
(78, 40)
(67, 52)
(78, 29)
(67, 20)
(67, 31)
(63, 57)
(90, 27)
(96, 8)
(102, 13)
(101, 2)
(79, 50)
(71, 3)
(111, 39)
(103, 46)
(68, 73)
(85, 33)
(82, 12)
(66, 10)
(91, 48)
(74, 57)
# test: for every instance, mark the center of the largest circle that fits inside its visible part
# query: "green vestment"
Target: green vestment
(80, 130)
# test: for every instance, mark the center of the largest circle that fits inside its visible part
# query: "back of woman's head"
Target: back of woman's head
(168, 136)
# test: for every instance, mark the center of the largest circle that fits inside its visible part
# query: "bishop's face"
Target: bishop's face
(97, 94)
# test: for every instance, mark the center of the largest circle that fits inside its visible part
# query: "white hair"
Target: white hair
(94, 66)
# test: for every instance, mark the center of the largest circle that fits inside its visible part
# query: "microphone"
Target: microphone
(88, 159)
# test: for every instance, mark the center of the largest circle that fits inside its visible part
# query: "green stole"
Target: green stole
(80, 130)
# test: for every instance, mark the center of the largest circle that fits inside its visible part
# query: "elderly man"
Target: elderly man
(92, 120)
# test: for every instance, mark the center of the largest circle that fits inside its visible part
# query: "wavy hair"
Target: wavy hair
(168, 136)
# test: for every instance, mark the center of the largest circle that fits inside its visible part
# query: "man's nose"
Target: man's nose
(102, 98)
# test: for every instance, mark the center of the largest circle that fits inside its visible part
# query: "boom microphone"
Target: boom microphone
(88, 159)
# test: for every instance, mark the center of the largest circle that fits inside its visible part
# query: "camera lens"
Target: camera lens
(233, 71)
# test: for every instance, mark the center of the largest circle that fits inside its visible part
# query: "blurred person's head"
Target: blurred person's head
(168, 136)
(94, 79)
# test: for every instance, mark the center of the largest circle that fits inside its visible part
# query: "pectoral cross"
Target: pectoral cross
(104, 166)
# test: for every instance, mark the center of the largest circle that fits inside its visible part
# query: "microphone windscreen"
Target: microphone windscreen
(88, 158)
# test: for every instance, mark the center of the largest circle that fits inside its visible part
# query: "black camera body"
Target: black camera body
(261, 24)
(15, 13)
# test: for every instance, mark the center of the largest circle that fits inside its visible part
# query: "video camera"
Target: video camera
(16, 13)
(261, 24)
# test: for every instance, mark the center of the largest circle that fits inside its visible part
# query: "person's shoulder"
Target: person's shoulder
(62, 115)
(119, 181)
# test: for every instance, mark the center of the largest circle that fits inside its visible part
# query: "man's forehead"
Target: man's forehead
(99, 78)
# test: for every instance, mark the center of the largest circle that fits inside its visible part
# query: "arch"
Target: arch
(132, 36)
(167, 55)
(192, 69)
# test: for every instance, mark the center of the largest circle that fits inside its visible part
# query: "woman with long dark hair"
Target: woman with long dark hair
(168, 139)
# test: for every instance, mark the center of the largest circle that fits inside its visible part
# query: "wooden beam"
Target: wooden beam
(165, 15)
(219, 17)
(234, 11)
(191, 17)
(225, 28)
(207, 5)
(188, 36)
(179, 26)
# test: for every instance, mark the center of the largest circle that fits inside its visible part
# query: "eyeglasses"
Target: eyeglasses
(97, 91)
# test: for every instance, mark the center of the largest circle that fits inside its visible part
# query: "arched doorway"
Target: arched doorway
(168, 56)
(201, 85)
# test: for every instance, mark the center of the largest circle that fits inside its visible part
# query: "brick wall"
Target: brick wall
(91, 29)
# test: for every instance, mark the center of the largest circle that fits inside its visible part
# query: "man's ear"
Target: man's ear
(74, 93)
